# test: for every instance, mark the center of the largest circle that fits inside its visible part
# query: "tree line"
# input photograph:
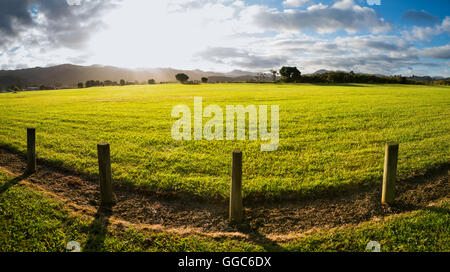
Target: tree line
(122, 82)
(292, 74)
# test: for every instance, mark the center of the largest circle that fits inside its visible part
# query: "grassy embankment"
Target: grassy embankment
(32, 221)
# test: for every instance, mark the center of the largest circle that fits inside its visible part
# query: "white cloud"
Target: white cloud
(374, 2)
(445, 26)
(295, 3)
(74, 2)
(427, 33)
(343, 15)
(318, 6)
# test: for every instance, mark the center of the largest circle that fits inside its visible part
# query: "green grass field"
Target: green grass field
(330, 136)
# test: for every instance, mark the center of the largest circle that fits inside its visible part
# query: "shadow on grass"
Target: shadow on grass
(5, 187)
(258, 238)
(359, 85)
(122, 184)
(331, 84)
(439, 210)
(325, 192)
(98, 230)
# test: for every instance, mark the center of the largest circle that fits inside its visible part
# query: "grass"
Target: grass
(426, 230)
(33, 222)
(330, 136)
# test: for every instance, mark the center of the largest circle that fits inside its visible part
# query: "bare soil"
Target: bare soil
(264, 218)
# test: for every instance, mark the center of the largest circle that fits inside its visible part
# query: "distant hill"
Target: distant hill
(69, 75)
(426, 78)
(323, 71)
(220, 79)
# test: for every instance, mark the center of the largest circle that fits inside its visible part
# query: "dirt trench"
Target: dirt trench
(176, 212)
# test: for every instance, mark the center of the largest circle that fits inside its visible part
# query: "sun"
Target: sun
(156, 34)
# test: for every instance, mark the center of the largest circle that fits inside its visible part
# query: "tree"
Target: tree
(204, 80)
(93, 83)
(122, 82)
(107, 83)
(260, 77)
(182, 77)
(80, 85)
(16, 88)
(290, 74)
(151, 81)
(274, 75)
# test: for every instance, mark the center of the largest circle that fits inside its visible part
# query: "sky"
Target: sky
(407, 37)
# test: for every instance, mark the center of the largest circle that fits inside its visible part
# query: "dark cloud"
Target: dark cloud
(294, 43)
(60, 24)
(241, 58)
(440, 52)
(14, 12)
(300, 47)
(337, 46)
(380, 45)
(420, 17)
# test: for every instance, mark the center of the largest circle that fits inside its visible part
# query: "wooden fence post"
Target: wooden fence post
(390, 173)
(236, 212)
(31, 150)
(104, 165)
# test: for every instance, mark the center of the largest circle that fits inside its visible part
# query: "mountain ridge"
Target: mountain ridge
(70, 74)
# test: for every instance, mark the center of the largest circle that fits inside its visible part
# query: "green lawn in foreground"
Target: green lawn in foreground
(426, 230)
(330, 136)
(30, 221)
